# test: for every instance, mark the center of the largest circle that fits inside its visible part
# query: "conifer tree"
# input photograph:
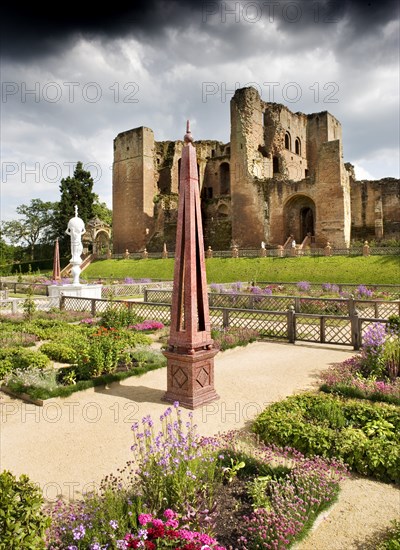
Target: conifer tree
(75, 190)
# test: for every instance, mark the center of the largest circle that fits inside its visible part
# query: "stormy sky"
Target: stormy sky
(71, 84)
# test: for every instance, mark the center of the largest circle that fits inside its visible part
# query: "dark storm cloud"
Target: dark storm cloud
(35, 30)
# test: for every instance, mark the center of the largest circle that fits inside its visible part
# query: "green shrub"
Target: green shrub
(100, 355)
(390, 358)
(392, 538)
(134, 339)
(394, 323)
(5, 367)
(365, 435)
(144, 357)
(351, 391)
(58, 351)
(29, 305)
(25, 358)
(119, 317)
(22, 358)
(54, 329)
(21, 379)
(22, 522)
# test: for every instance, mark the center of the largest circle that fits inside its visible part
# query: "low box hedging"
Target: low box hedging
(21, 358)
(365, 435)
(59, 351)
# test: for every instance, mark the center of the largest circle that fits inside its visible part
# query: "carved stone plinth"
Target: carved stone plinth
(191, 378)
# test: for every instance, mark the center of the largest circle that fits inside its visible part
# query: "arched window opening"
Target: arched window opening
(297, 146)
(207, 193)
(224, 179)
(288, 141)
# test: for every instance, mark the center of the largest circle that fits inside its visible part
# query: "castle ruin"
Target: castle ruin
(281, 176)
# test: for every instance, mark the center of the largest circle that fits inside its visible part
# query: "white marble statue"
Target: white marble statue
(75, 229)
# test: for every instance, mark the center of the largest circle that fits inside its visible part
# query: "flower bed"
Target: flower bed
(302, 288)
(232, 337)
(98, 352)
(177, 493)
(365, 435)
(374, 373)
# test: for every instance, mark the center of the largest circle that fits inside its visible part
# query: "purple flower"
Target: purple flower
(374, 336)
(303, 286)
(142, 533)
(364, 292)
(113, 524)
(79, 532)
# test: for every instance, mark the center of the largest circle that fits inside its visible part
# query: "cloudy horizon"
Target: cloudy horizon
(70, 85)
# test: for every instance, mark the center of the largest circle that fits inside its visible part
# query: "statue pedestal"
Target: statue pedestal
(80, 291)
(190, 378)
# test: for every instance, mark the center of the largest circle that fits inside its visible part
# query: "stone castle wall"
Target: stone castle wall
(281, 174)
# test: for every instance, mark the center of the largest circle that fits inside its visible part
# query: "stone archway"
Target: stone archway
(101, 243)
(299, 217)
(306, 222)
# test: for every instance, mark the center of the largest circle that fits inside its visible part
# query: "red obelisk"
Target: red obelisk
(56, 262)
(190, 351)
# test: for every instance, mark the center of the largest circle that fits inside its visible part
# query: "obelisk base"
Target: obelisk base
(190, 378)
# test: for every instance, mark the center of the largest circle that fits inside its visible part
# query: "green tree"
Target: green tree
(101, 210)
(7, 254)
(78, 190)
(34, 227)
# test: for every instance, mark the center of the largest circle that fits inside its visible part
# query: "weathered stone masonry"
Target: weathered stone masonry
(281, 174)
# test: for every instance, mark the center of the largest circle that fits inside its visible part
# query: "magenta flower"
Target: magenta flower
(145, 518)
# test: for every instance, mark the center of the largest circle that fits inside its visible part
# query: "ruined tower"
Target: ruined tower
(134, 188)
(288, 175)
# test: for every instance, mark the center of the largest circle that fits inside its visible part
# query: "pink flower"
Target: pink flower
(158, 522)
(184, 534)
(172, 523)
(170, 514)
(145, 518)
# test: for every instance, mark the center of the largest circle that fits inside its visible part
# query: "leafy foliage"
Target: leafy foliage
(20, 379)
(392, 539)
(101, 211)
(365, 435)
(75, 190)
(115, 317)
(58, 351)
(22, 522)
(29, 305)
(34, 225)
(22, 358)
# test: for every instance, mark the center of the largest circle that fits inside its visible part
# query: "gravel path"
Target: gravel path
(70, 444)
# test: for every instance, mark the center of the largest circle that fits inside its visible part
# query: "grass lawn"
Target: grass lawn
(338, 269)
